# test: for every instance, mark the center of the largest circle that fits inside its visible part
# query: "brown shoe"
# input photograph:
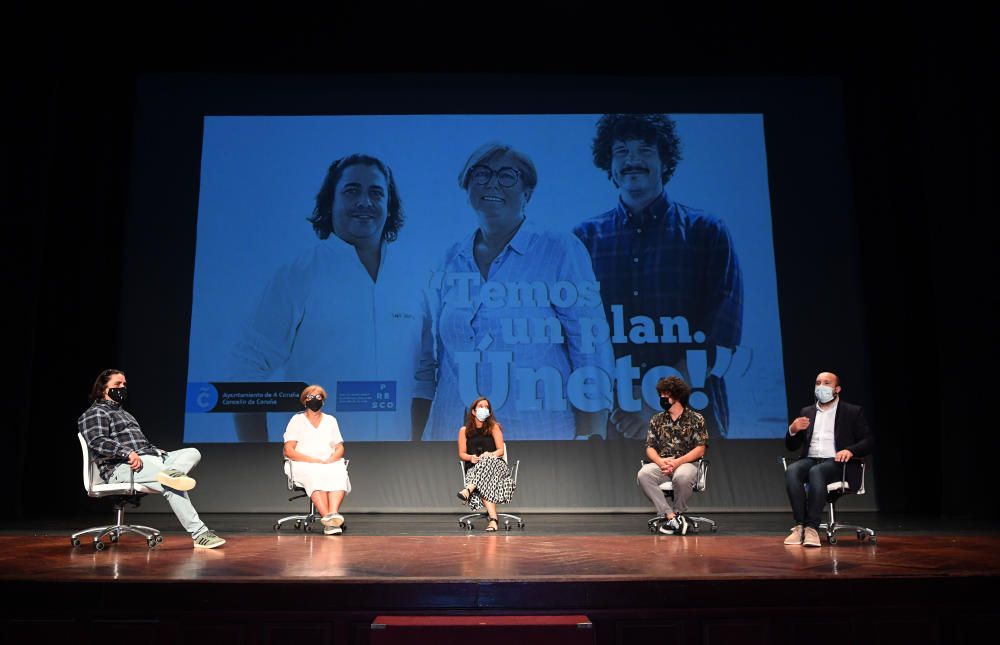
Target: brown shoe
(795, 537)
(810, 537)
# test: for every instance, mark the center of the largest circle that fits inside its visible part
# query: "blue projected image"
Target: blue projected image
(409, 264)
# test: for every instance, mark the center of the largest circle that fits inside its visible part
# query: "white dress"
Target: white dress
(319, 443)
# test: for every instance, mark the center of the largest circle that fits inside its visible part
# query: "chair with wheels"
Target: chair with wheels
(852, 482)
(667, 487)
(465, 521)
(302, 522)
(121, 495)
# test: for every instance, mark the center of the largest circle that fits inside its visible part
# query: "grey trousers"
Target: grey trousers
(650, 477)
(183, 460)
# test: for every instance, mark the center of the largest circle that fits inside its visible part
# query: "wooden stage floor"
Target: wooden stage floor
(924, 580)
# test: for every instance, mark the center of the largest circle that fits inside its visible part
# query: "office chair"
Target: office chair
(465, 522)
(667, 487)
(834, 492)
(121, 494)
(301, 521)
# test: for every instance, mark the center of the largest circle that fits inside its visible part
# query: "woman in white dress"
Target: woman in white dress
(315, 448)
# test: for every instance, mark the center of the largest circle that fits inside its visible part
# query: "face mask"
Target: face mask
(824, 393)
(118, 394)
(314, 404)
(666, 403)
(482, 413)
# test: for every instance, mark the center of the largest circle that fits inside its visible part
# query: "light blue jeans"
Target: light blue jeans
(183, 460)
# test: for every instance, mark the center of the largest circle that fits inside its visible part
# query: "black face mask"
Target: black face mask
(314, 404)
(665, 403)
(118, 394)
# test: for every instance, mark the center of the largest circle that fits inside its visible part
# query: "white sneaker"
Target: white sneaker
(333, 519)
(670, 527)
(332, 530)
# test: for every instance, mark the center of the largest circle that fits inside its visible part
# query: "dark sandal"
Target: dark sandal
(464, 495)
(493, 524)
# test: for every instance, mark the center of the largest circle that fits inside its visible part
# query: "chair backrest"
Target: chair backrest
(91, 474)
(702, 480)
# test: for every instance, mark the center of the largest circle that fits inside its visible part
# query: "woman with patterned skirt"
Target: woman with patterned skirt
(480, 446)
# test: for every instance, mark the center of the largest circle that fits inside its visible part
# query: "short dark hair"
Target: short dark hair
(675, 388)
(97, 391)
(322, 215)
(651, 128)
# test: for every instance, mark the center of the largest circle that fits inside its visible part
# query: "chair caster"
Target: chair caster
(159, 539)
(99, 546)
(832, 539)
(276, 527)
(298, 525)
(520, 525)
(309, 528)
(715, 528)
(871, 540)
(74, 541)
(114, 538)
(151, 542)
(506, 525)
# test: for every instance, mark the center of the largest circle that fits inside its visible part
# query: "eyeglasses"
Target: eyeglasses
(482, 175)
(310, 397)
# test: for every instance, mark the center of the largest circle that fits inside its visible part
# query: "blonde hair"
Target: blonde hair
(312, 389)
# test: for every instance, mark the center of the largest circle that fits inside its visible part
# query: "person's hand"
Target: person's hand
(669, 464)
(800, 424)
(134, 461)
(474, 459)
(843, 455)
(329, 460)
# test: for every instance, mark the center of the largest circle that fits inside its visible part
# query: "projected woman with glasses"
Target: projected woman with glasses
(514, 312)
(347, 312)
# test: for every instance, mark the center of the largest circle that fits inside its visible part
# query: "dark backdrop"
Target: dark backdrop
(919, 130)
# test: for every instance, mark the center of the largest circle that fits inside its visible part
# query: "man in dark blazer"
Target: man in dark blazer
(829, 433)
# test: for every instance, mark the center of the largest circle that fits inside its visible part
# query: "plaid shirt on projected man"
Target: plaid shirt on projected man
(675, 261)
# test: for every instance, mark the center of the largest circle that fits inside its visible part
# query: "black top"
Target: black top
(477, 445)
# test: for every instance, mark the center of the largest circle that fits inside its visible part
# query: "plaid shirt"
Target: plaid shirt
(670, 260)
(671, 438)
(112, 433)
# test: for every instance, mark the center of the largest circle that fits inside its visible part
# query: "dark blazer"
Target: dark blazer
(850, 431)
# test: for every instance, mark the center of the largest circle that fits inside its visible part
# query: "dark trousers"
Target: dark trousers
(807, 505)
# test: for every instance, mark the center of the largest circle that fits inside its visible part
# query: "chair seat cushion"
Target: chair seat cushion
(667, 486)
(104, 490)
(838, 486)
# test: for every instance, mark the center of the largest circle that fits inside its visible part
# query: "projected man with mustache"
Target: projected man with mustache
(657, 258)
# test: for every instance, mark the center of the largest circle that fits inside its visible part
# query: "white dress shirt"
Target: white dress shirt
(822, 444)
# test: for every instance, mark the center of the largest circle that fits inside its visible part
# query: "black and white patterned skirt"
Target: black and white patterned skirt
(492, 480)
